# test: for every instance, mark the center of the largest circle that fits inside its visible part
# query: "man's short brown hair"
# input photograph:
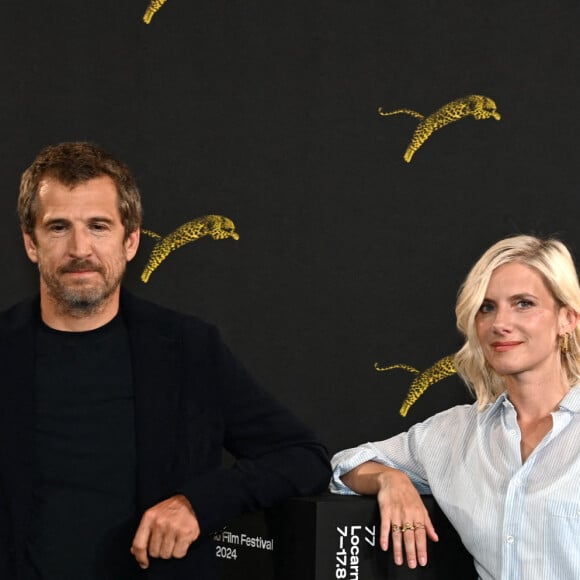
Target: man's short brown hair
(73, 163)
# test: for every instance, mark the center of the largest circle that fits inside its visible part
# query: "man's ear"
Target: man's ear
(30, 247)
(132, 244)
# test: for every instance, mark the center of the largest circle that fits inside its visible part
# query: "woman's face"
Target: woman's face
(519, 323)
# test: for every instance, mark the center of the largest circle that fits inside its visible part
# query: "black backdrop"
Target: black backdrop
(266, 112)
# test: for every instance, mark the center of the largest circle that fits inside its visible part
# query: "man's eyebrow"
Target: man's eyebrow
(91, 220)
(55, 220)
(105, 219)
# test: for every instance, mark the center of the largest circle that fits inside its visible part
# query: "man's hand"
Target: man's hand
(166, 531)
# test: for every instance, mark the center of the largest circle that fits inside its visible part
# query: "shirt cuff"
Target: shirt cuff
(347, 460)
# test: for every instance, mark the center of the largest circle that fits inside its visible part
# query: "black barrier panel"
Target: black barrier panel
(330, 538)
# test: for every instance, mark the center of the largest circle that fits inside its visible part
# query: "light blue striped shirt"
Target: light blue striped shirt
(519, 521)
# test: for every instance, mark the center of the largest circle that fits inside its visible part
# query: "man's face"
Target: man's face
(79, 244)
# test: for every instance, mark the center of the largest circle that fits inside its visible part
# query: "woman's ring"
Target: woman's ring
(407, 526)
(395, 528)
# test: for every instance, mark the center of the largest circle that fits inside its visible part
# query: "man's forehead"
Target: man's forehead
(50, 180)
(96, 196)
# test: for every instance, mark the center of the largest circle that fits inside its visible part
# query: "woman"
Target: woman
(506, 469)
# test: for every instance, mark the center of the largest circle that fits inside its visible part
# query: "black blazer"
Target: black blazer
(192, 400)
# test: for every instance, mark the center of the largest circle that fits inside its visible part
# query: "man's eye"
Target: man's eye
(57, 228)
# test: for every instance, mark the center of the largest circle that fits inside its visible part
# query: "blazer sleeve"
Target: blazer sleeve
(275, 455)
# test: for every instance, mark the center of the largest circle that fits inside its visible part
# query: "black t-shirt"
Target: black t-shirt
(84, 515)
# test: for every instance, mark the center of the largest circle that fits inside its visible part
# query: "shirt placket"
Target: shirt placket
(514, 508)
(514, 503)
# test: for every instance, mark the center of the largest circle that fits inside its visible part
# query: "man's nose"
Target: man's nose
(80, 245)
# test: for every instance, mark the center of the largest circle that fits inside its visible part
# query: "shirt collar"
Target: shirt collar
(501, 401)
(570, 402)
(491, 409)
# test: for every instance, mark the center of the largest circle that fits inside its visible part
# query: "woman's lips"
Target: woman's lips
(505, 345)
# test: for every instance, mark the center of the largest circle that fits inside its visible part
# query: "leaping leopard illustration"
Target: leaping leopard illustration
(442, 369)
(154, 6)
(478, 106)
(216, 226)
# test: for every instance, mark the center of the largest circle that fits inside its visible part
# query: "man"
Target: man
(114, 410)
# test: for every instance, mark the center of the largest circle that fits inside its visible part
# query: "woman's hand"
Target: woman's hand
(403, 513)
(405, 517)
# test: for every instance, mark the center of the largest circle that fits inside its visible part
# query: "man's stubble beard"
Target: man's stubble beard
(80, 301)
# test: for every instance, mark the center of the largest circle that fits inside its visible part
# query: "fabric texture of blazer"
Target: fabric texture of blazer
(193, 399)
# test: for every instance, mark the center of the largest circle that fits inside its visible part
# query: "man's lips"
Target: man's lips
(80, 268)
(501, 346)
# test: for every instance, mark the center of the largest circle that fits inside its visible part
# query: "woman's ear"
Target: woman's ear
(569, 319)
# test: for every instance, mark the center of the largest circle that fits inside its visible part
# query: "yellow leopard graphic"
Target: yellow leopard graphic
(442, 369)
(477, 106)
(153, 7)
(216, 226)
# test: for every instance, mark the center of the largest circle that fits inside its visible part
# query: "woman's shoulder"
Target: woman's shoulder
(456, 412)
(451, 420)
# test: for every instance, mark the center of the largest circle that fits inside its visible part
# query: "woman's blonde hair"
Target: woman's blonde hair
(552, 259)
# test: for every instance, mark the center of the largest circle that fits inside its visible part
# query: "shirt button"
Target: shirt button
(510, 539)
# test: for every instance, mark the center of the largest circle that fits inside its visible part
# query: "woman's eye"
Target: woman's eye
(486, 307)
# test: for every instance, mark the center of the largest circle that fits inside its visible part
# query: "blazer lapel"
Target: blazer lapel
(156, 379)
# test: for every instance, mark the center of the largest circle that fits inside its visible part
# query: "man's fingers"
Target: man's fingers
(180, 548)
(166, 531)
(155, 546)
(166, 548)
(140, 545)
